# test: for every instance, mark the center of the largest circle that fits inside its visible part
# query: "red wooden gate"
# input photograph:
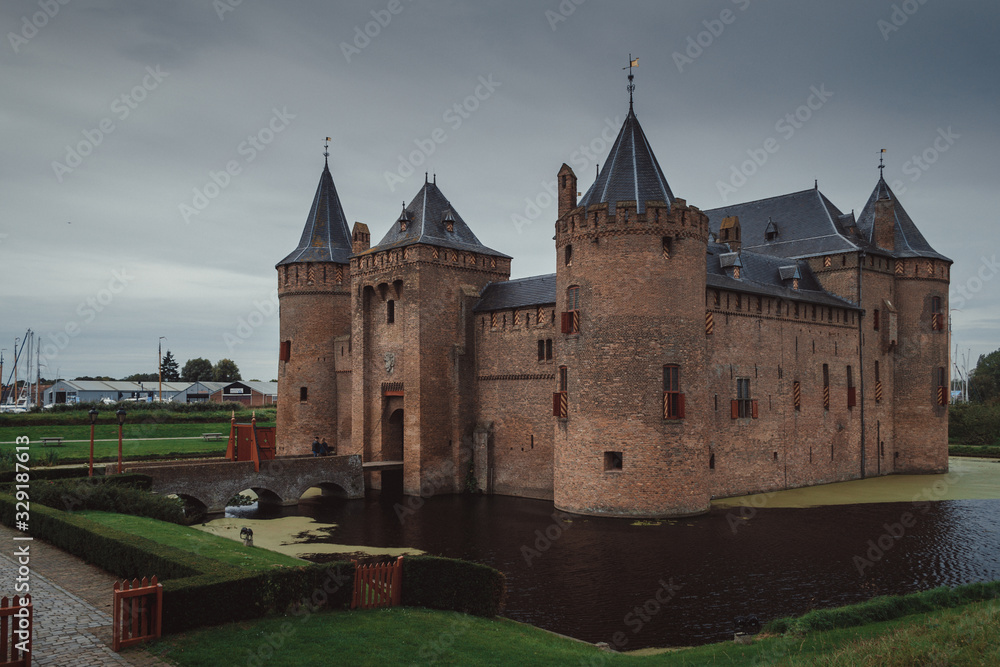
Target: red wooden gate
(136, 612)
(378, 584)
(15, 631)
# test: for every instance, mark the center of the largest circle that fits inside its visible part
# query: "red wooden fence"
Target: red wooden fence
(137, 612)
(15, 632)
(378, 585)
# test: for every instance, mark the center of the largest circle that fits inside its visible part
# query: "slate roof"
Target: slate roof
(762, 274)
(326, 237)
(426, 224)
(808, 224)
(909, 241)
(533, 291)
(631, 172)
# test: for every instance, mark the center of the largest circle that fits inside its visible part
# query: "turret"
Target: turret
(630, 283)
(567, 189)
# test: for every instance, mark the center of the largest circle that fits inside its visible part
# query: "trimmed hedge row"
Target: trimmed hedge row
(885, 608)
(199, 591)
(7, 476)
(125, 494)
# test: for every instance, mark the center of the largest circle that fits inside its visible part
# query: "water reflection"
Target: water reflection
(591, 578)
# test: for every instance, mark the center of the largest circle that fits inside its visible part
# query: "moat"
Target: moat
(677, 582)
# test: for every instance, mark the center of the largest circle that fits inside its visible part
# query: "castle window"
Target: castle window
(826, 387)
(571, 318)
(541, 350)
(668, 246)
(548, 349)
(796, 311)
(390, 311)
(716, 297)
(285, 352)
(303, 393)
(743, 406)
(852, 397)
(797, 395)
(878, 384)
(612, 461)
(673, 399)
(942, 386)
(760, 304)
(560, 399)
(711, 461)
(569, 255)
(876, 317)
(937, 317)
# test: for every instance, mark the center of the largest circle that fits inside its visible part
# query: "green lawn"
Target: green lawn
(967, 635)
(195, 541)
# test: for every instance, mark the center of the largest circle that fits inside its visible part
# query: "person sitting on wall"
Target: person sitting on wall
(316, 446)
(324, 449)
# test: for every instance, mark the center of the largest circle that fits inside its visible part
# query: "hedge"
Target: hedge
(7, 476)
(123, 494)
(885, 608)
(199, 591)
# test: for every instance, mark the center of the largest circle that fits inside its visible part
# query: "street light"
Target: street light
(93, 420)
(121, 422)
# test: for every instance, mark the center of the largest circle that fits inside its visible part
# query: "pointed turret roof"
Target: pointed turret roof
(428, 217)
(326, 237)
(631, 171)
(909, 242)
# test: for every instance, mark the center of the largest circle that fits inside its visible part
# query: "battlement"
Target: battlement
(313, 277)
(657, 219)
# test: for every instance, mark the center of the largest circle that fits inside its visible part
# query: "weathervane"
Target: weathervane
(632, 62)
(326, 150)
(881, 164)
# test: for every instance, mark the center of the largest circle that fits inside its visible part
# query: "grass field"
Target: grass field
(968, 635)
(196, 541)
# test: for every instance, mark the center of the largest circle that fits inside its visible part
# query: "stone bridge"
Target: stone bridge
(282, 480)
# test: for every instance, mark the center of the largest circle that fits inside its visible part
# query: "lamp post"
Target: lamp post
(93, 420)
(159, 364)
(121, 422)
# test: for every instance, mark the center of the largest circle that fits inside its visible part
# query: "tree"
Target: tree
(142, 377)
(984, 381)
(196, 370)
(225, 371)
(168, 366)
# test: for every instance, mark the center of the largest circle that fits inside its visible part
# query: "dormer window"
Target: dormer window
(449, 221)
(771, 231)
(404, 220)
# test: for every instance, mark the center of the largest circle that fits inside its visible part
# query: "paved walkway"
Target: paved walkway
(70, 628)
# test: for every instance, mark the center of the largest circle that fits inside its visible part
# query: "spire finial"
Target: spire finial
(326, 151)
(881, 163)
(632, 62)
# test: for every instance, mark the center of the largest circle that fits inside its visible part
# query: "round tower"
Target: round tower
(630, 361)
(315, 323)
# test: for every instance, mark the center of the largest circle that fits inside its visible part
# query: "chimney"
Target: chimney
(360, 238)
(884, 233)
(566, 182)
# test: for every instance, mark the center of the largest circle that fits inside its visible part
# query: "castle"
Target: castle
(676, 355)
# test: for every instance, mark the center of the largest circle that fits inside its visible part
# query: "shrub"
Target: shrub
(458, 585)
(125, 494)
(974, 424)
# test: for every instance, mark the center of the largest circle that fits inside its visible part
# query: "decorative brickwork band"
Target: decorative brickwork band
(517, 376)
(709, 323)
(392, 388)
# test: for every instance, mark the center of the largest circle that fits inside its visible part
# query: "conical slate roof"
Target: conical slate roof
(326, 237)
(427, 220)
(909, 241)
(631, 172)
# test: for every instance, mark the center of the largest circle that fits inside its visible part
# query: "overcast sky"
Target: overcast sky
(159, 158)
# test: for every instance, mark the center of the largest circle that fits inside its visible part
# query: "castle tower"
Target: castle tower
(913, 333)
(413, 358)
(315, 310)
(630, 388)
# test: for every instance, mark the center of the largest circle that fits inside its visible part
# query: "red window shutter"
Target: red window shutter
(753, 408)
(735, 405)
(852, 397)
(567, 322)
(680, 406)
(556, 405)
(285, 351)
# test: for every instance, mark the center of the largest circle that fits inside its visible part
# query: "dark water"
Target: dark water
(688, 578)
